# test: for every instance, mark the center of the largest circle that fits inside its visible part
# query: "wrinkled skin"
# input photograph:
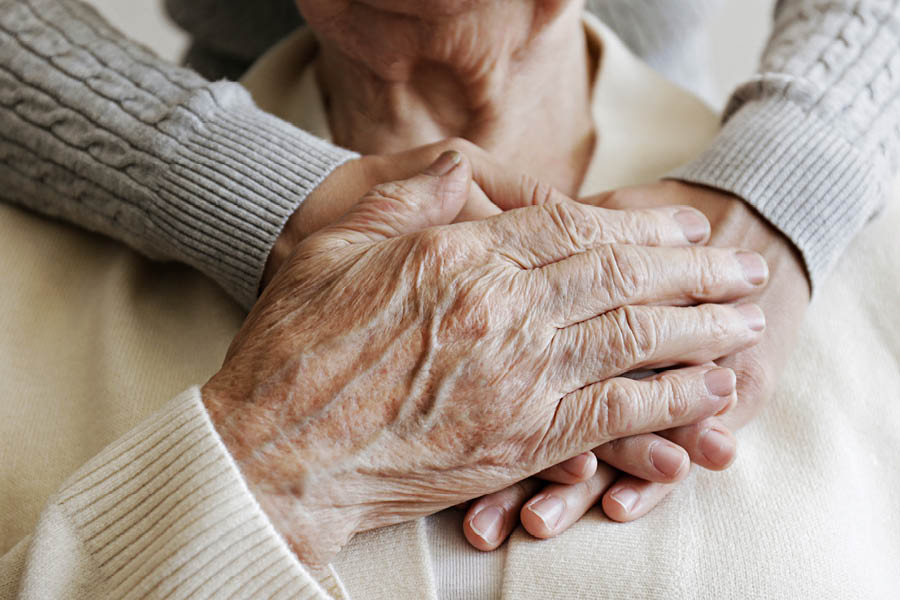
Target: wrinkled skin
(392, 369)
(625, 497)
(494, 188)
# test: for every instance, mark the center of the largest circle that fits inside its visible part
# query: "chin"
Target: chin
(424, 8)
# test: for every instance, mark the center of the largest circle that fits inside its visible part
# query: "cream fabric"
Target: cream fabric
(93, 339)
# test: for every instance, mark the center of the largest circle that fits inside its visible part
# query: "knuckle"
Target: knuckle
(719, 328)
(435, 244)
(675, 393)
(617, 409)
(627, 272)
(471, 314)
(537, 192)
(570, 221)
(637, 334)
(640, 227)
(388, 194)
(433, 256)
(706, 271)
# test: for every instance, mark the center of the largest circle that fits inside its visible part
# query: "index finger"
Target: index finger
(536, 236)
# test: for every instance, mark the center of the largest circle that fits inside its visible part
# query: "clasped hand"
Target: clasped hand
(398, 364)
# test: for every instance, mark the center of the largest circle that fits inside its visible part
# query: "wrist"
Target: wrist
(327, 203)
(735, 223)
(281, 250)
(739, 224)
(293, 497)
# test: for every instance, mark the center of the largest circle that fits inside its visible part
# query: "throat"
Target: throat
(531, 109)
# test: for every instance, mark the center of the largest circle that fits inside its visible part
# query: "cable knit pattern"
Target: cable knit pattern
(812, 141)
(99, 131)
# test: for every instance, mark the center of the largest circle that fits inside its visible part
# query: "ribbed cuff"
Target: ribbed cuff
(165, 513)
(237, 175)
(799, 173)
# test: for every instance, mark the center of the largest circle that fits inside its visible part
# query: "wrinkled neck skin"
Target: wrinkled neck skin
(512, 76)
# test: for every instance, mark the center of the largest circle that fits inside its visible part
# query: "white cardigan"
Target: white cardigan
(94, 338)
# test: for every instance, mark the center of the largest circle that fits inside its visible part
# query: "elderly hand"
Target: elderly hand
(494, 188)
(653, 463)
(390, 370)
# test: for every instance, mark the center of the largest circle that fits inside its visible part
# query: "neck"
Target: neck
(510, 77)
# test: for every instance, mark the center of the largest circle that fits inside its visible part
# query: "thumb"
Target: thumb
(435, 197)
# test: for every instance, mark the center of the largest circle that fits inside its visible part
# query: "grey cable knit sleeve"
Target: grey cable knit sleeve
(100, 132)
(813, 140)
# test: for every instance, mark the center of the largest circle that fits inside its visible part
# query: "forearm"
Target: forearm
(98, 131)
(165, 510)
(812, 140)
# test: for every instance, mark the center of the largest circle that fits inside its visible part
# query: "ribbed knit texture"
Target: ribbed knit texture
(164, 510)
(813, 141)
(100, 132)
(810, 142)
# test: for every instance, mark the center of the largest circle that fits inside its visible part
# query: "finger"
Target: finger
(491, 519)
(509, 189)
(574, 470)
(647, 456)
(641, 337)
(644, 196)
(557, 506)
(505, 187)
(620, 407)
(540, 235)
(392, 209)
(709, 443)
(630, 498)
(477, 207)
(605, 278)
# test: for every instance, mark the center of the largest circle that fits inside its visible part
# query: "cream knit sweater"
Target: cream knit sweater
(93, 338)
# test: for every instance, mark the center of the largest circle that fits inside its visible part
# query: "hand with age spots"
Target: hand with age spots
(397, 365)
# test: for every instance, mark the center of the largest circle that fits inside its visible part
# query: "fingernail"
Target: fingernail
(444, 163)
(720, 382)
(666, 459)
(717, 447)
(486, 524)
(626, 497)
(756, 271)
(695, 227)
(576, 466)
(549, 509)
(753, 315)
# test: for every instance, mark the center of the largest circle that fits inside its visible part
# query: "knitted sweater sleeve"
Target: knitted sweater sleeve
(98, 131)
(163, 512)
(813, 140)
